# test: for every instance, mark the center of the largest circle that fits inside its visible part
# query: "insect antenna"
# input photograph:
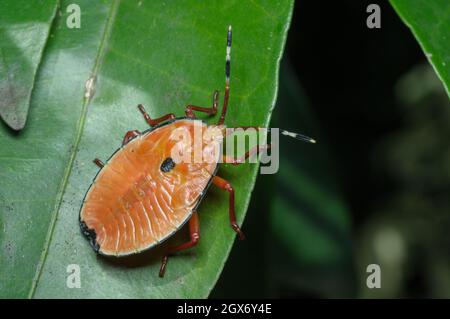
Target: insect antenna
(298, 136)
(227, 78)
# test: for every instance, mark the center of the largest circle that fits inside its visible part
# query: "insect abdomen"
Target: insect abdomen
(133, 204)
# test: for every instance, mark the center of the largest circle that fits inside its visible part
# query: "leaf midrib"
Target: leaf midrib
(80, 127)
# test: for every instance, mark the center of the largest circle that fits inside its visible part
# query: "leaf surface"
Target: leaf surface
(24, 29)
(429, 21)
(164, 55)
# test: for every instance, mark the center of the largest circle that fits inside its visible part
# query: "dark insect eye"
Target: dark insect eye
(167, 165)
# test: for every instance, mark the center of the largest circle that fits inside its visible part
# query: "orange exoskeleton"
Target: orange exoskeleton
(142, 195)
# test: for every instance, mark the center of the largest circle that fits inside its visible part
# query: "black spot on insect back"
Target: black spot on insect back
(167, 165)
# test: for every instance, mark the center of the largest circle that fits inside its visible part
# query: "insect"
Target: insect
(142, 196)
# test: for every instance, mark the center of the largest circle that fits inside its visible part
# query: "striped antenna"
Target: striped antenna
(227, 78)
(298, 136)
(228, 58)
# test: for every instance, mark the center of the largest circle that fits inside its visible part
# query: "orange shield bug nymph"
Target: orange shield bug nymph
(142, 195)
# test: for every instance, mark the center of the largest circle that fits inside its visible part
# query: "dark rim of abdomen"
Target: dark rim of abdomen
(90, 234)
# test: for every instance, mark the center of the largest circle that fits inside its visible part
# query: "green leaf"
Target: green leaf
(297, 216)
(166, 56)
(24, 29)
(430, 23)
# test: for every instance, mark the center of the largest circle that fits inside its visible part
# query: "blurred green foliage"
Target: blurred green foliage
(394, 166)
(408, 231)
(304, 245)
(301, 223)
(308, 216)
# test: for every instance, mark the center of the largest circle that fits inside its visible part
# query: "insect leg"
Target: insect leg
(239, 161)
(151, 121)
(223, 184)
(194, 231)
(99, 163)
(129, 136)
(209, 110)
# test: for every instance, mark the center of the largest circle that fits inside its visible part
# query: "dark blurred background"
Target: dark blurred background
(375, 187)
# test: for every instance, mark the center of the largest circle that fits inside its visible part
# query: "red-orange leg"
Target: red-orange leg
(194, 231)
(223, 184)
(239, 161)
(99, 163)
(129, 136)
(151, 121)
(208, 110)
